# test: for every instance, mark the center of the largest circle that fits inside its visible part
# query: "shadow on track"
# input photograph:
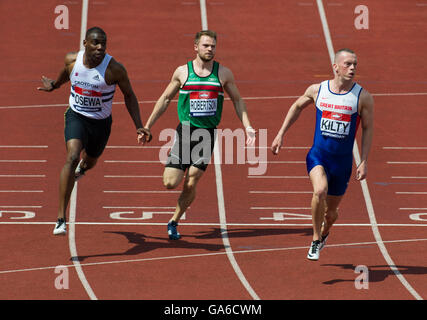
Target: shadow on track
(141, 245)
(377, 273)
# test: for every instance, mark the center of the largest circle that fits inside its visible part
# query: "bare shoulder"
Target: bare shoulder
(180, 74)
(116, 73)
(366, 103)
(225, 74)
(116, 67)
(366, 97)
(312, 91)
(69, 60)
(70, 57)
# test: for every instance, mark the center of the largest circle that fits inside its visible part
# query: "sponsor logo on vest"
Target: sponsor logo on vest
(85, 84)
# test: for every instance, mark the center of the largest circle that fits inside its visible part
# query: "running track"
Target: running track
(245, 237)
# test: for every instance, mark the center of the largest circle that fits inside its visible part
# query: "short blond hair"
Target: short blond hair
(341, 51)
(209, 33)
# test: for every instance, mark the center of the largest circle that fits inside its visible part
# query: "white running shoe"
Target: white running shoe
(314, 251)
(323, 241)
(60, 228)
(80, 172)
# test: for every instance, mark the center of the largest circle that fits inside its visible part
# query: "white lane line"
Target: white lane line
(223, 227)
(280, 208)
(209, 224)
(267, 147)
(403, 177)
(72, 244)
(22, 147)
(73, 199)
(227, 99)
(406, 162)
(363, 183)
(285, 192)
(208, 255)
(22, 176)
(118, 176)
(24, 161)
(141, 191)
(409, 192)
(20, 207)
(277, 177)
(280, 162)
(83, 26)
(203, 15)
(405, 148)
(163, 147)
(21, 191)
(134, 207)
(133, 161)
(399, 94)
(135, 147)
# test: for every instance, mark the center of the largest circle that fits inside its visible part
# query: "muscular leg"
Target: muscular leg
(88, 162)
(66, 178)
(319, 181)
(331, 214)
(172, 177)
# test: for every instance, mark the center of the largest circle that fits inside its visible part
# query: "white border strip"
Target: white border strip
(72, 244)
(214, 224)
(363, 183)
(83, 28)
(223, 227)
(73, 200)
(203, 14)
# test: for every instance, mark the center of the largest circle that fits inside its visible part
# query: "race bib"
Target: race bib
(87, 100)
(335, 124)
(203, 103)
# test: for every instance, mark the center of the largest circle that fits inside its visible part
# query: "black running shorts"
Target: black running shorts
(193, 146)
(93, 133)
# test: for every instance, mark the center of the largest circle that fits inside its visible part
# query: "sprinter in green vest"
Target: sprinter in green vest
(201, 84)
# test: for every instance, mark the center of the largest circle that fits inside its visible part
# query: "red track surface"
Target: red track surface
(275, 50)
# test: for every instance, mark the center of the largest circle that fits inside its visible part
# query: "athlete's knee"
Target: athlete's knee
(88, 161)
(73, 158)
(190, 184)
(320, 193)
(192, 180)
(172, 177)
(171, 181)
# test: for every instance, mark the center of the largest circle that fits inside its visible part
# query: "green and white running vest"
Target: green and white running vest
(201, 99)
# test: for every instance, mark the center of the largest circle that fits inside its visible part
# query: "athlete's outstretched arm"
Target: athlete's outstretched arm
(64, 75)
(229, 85)
(367, 122)
(302, 102)
(166, 97)
(121, 78)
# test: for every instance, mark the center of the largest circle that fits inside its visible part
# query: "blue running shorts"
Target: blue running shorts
(337, 167)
